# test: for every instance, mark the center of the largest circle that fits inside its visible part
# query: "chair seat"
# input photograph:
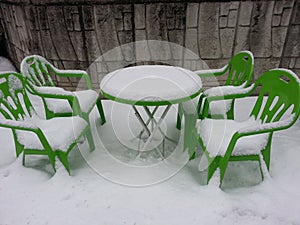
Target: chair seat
(216, 135)
(59, 139)
(86, 98)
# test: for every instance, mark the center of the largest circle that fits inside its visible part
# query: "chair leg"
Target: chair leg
(230, 113)
(267, 151)
(205, 111)
(23, 159)
(19, 147)
(52, 160)
(90, 139)
(101, 112)
(179, 116)
(213, 165)
(200, 106)
(261, 170)
(63, 157)
(223, 167)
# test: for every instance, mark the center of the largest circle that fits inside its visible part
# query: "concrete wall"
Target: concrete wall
(72, 34)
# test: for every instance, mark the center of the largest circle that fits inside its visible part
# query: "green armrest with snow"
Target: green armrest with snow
(33, 135)
(276, 108)
(239, 72)
(57, 101)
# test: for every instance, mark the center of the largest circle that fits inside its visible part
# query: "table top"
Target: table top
(151, 85)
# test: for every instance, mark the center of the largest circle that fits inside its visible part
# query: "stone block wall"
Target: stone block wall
(72, 34)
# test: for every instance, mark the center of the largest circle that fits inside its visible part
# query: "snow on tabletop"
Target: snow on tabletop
(6, 65)
(217, 134)
(60, 132)
(151, 83)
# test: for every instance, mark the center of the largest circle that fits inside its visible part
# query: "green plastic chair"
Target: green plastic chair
(239, 73)
(276, 108)
(57, 101)
(33, 135)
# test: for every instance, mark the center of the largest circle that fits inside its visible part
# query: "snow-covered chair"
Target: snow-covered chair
(33, 135)
(58, 101)
(239, 73)
(276, 108)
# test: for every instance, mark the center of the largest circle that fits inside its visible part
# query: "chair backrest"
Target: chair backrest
(281, 90)
(240, 69)
(14, 102)
(37, 70)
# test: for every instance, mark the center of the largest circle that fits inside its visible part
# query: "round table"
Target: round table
(151, 85)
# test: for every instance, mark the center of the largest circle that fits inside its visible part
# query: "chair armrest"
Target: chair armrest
(268, 127)
(74, 73)
(212, 72)
(230, 93)
(52, 92)
(56, 93)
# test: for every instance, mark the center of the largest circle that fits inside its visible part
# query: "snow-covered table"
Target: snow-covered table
(151, 85)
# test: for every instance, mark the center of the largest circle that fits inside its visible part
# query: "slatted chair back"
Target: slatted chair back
(240, 69)
(282, 89)
(37, 70)
(14, 102)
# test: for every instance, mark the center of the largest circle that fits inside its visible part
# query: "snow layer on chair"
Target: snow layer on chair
(228, 90)
(53, 91)
(60, 132)
(210, 71)
(217, 134)
(151, 83)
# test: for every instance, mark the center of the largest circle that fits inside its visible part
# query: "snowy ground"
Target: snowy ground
(6, 65)
(34, 195)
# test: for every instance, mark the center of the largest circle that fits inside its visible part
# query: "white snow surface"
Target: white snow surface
(6, 65)
(151, 83)
(34, 195)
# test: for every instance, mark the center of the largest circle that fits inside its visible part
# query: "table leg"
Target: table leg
(150, 115)
(156, 128)
(136, 112)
